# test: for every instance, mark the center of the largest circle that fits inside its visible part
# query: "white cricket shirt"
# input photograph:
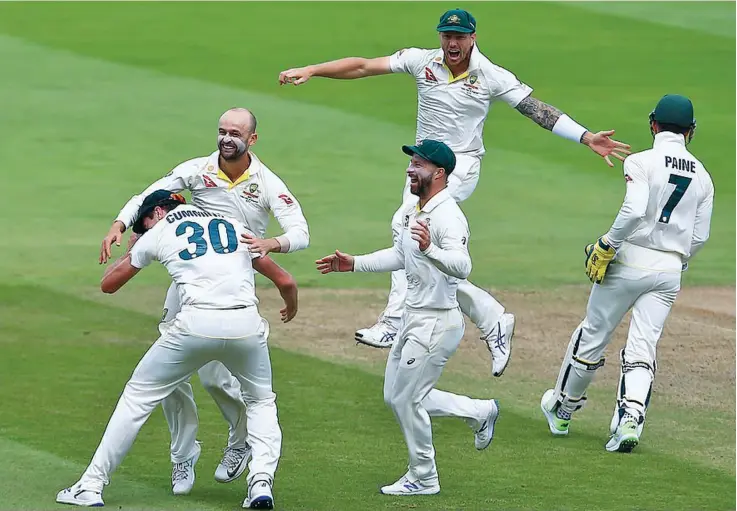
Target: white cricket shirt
(249, 199)
(453, 109)
(666, 214)
(432, 275)
(204, 257)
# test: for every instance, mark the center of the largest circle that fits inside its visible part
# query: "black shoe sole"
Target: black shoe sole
(627, 445)
(262, 503)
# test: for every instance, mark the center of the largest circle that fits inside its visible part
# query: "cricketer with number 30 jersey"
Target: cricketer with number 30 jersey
(666, 213)
(249, 199)
(190, 243)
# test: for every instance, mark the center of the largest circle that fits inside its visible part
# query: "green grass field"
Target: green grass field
(97, 100)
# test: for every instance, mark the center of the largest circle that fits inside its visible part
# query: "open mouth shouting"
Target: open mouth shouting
(454, 55)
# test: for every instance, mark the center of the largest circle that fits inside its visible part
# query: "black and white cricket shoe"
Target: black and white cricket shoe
(79, 496)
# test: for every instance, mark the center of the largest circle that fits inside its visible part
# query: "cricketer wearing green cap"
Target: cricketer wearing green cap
(673, 113)
(457, 85)
(664, 221)
(432, 249)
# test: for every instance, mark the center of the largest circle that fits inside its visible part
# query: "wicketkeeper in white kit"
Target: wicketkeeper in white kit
(637, 265)
(218, 320)
(432, 250)
(456, 88)
(234, 183)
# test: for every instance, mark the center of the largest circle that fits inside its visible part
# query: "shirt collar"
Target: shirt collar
(668, 137)
(473, 64)
(214, 162)
(435, 201)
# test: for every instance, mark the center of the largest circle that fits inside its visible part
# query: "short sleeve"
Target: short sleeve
(409, 60)
(505, 86)
(144, 251)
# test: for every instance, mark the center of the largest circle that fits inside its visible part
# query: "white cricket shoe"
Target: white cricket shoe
(499, 342)
(381, 335)
(626, 437)
(77, 495)
(182, 474)
(405, 486)
(259, 494)
(485, 434)
(233, 464)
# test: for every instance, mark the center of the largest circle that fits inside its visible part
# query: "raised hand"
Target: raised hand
(605, 146)
(421, 234)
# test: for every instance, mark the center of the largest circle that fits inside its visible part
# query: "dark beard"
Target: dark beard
(423, 186)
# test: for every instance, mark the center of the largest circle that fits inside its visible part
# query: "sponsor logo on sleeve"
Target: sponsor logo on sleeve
(287, 199)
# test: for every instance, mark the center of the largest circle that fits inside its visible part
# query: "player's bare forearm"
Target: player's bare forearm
(267, 267)
(541, 113)
(351, 68)
(118, 274)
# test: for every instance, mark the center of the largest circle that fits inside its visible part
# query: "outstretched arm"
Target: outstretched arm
(348, 68)
(552, 119)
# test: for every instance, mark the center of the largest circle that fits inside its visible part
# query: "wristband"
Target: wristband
(568, 128)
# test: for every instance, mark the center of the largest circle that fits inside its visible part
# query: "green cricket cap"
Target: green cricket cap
(457, 20)
(157, 198)
(434, 152)
(674, 109)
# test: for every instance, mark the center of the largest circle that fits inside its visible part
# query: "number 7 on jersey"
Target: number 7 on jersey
(682, 183)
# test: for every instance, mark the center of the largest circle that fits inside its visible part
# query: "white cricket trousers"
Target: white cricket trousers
(180, 408)
(482, 308)
(650, 295)
(235, 337)
(425, 341)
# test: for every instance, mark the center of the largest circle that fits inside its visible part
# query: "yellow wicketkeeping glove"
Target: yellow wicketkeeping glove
(598, 257)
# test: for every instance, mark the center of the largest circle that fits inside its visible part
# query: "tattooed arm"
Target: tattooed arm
(543, 114)
(559, 123)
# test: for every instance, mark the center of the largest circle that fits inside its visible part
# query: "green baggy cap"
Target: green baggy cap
(434, 152)
(457, 20)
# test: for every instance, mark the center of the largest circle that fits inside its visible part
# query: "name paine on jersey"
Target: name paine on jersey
(673, 162)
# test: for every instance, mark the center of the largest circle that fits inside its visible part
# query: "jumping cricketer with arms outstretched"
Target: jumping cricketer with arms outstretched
(218, 320)
(432, 250)
(456, 86)
(234, 183)
(663, 222)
